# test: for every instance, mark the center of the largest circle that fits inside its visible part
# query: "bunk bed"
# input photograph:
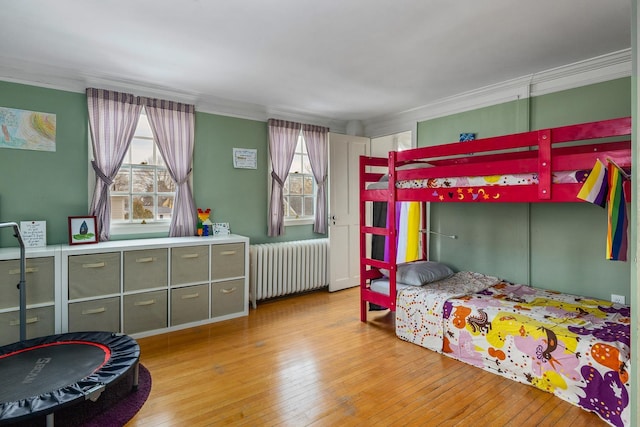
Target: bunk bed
(575, 347)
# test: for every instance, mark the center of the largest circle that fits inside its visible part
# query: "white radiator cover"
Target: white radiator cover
(284, 268)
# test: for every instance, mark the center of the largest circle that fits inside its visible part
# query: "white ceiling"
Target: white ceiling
(334, 60)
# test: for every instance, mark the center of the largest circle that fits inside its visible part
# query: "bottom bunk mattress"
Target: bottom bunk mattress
(574, 347)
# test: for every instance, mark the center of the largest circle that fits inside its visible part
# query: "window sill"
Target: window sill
(150, 228)
(300, 221)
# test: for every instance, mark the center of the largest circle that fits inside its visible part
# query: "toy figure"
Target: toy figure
(204, 223)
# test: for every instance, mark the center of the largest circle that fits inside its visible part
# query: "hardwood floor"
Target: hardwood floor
(308, 361)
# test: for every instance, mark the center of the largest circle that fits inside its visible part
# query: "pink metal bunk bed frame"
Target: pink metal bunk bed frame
(574, 147)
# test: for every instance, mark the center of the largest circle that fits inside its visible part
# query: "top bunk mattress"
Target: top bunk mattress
(561, 177)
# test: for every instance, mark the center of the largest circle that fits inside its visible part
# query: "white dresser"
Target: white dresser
(43, 293)
(138, 287)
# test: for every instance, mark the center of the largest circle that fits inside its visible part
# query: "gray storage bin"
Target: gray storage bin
(189, 304)
(145, 312)
(227, 297)
(189, 264)
(39, 278)
(227, 260)
(40, 322)
(96, 315)
(145, 269)
(94, 275)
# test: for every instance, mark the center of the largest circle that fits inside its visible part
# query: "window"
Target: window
(143, 191)
(299, 193)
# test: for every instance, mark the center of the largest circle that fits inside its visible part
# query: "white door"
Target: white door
(344, 221)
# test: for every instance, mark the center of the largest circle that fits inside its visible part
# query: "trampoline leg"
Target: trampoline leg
(50, 420)
(136, 371)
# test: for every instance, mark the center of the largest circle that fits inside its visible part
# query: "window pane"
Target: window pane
(295, 205)
(143, 180)
(306, 165)
(308, 185)
(142, 207)
(121, 183)
(141, 151)
(143, 128)
(285, 188)
(295, 184)
(119, 208)
(300, 145)
(296, 164)
(308, 206)
(165, 182)
(165, 205)
(286, 208)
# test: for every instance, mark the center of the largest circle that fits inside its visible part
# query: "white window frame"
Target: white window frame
(305, 220)
(151, 226)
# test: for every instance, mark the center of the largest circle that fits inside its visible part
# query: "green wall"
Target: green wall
(556, 246)
(51, 186)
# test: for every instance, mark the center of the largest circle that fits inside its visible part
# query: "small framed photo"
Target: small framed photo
(83, 230)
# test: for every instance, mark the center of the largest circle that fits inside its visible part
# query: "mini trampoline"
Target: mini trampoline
(41, 375)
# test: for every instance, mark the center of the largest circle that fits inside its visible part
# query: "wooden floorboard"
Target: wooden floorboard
(307, 360)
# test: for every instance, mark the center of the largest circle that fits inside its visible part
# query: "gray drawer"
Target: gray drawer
(39, 278)
(227, 260)
(97, 315)
(40, 322)
(145, 312)
(94, 275)
(145, 269)
(189, 265)
(227, 297)
(189, 304)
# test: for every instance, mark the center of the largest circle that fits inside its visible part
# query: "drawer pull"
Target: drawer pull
(147, 302)
(26, 270)
(228, 253)
(94, 265)
(147, 259)
(94, 311)
(228, 291)
(190, 256)
(29, 320)
(190, 296)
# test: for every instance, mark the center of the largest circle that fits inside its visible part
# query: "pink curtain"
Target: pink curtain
(113, 118)
(317, 141)
(283, 137)
(173, 125)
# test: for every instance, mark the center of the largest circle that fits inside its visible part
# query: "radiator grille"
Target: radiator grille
(278, 269)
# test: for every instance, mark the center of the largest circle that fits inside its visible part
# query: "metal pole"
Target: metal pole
(21, 285)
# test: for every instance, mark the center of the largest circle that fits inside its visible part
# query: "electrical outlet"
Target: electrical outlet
(617, 298)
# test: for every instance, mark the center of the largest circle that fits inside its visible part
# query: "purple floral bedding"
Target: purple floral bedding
(574, 347)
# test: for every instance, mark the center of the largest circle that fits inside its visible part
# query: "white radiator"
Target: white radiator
(278, 269)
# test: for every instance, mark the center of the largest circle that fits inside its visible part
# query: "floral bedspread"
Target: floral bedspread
(574, 347)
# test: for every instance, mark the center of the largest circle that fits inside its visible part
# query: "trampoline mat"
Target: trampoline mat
(41, 375)
(40, 369)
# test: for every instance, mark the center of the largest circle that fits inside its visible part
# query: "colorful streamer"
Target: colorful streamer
(618, 221)
(594, 190)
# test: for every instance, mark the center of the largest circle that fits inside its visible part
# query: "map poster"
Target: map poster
(27, 130)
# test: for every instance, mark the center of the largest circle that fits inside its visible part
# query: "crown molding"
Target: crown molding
(59, 78)
(595, 70)
(599, 69)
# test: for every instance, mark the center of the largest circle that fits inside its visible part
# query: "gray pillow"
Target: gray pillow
(418, 273)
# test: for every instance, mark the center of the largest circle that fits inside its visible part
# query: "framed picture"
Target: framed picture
(82, 230)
